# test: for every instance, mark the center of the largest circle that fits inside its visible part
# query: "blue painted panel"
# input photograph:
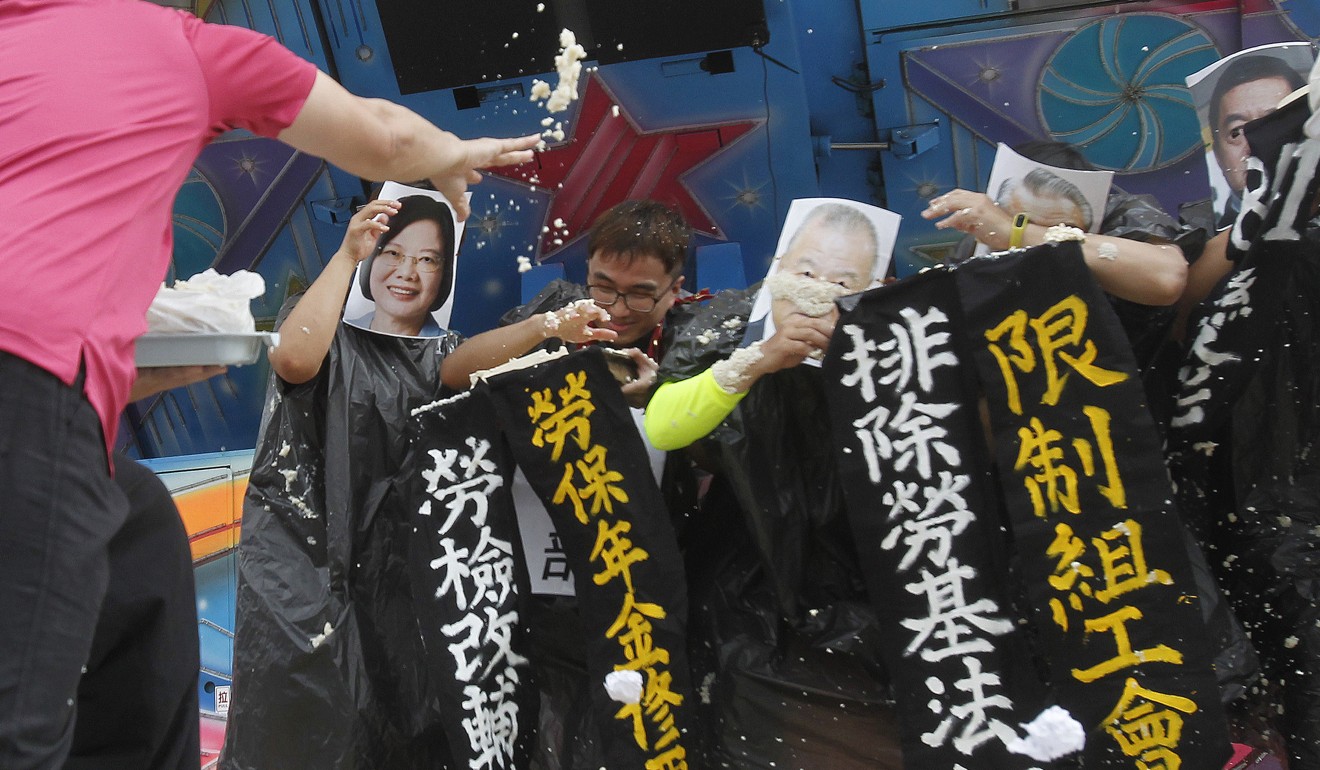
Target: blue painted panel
(292, 22)
(720, 267)
(1087, 76)
(536, 279)
(881, 15)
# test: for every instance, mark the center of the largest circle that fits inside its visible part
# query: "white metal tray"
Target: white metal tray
(202, 348)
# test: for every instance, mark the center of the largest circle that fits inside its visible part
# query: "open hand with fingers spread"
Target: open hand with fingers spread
(485, 152)
(573, 323)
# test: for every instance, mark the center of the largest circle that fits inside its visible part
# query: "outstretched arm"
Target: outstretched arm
(380, 140)
(681, 412)
(1147, 273)
(489, 349)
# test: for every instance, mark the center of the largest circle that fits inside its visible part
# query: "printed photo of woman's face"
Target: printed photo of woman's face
(406, 276)
(405, 287)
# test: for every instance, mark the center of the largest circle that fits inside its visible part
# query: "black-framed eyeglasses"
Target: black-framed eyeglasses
(634, 301)
(426, 263)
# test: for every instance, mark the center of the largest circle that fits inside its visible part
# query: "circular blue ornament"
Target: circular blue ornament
(1116, 89)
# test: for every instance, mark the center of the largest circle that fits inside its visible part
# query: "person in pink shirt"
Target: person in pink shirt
(107, 103)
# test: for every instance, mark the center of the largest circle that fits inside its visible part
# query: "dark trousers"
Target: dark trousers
(98, 629)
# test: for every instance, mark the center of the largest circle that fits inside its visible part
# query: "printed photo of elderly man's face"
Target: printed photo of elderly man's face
(836, 244)
(1047, 199)
(828, 248)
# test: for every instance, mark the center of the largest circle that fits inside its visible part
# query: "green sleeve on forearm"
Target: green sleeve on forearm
(681, 412)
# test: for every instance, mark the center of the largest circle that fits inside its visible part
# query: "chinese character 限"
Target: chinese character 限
(1060, 336)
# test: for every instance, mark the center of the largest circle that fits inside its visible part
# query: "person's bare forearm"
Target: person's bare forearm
(1147, 273)
(379, 140)
(1203, 276)
(310, 327)
(490, 349)
(1137, 271)
(572, 323)
(416, 149)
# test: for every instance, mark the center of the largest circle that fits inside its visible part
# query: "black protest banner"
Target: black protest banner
(1230, 337)
(573, 436)
(911, 458)
(1090, 504)
(466, 581)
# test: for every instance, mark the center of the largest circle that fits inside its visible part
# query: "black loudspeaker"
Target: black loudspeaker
(437, 44)
(627, 31)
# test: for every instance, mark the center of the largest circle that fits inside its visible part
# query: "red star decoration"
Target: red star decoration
(608, 159)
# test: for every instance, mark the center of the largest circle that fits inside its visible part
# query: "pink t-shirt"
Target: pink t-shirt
(104, 106)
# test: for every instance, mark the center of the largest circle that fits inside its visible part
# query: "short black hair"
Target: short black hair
(415, 208)
(1249, 69)
(642, 228)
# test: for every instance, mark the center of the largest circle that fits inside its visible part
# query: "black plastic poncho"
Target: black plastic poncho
(785, 641)
(1245, 438)
(328, 660)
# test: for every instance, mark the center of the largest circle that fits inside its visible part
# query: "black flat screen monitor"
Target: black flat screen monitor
(439, 44)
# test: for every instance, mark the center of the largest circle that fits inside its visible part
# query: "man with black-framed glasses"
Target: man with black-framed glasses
(635, 256)
(636, 251)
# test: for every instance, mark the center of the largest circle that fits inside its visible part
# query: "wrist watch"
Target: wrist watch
(1019, 230)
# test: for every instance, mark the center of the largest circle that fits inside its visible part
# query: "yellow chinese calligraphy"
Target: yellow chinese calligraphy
(617, 552)
(1121, 555)
(1123, 562)
(557, 424)
(598, 485)
(1053, 483)
(598, 482)
(1070, 574)
(1148, 725)
(1104, 445)
(1059, 335)
(562, 418)
(567, 490)
(1116, 623)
